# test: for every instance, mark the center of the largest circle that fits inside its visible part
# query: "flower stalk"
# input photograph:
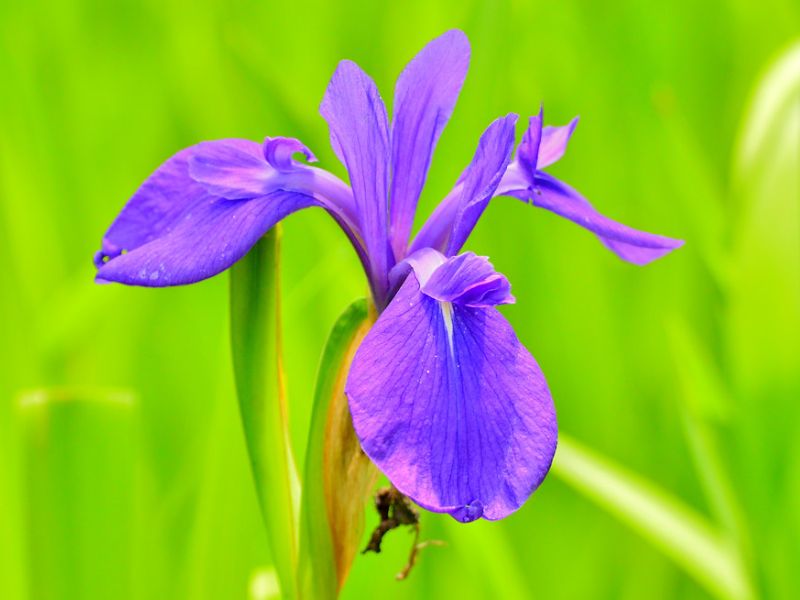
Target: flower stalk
(256, 352)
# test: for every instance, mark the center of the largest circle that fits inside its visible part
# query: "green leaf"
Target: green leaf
(256, 349)
(679, 531)
(338, 476)
(705, 401)
(762, 321)
(80, 489)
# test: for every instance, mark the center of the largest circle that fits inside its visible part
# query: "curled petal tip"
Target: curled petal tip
(108, 251)
(468, 280)
(278, 152)
(99, 259)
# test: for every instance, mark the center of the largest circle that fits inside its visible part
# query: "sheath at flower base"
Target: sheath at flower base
(444, 398)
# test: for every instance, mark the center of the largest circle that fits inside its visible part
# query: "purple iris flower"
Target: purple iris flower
(445, 399)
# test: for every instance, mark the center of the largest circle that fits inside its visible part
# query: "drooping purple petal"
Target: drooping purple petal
(161, 201)
(451, 407)
(631, 245)
(454, 219)
(208, 238)
(175, 231)
(359, 130)
(523, 179)
(424, 97)
(240, 169)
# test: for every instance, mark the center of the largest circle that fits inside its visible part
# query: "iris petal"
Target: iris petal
(359, 130)
(233, 169)
(279, 152)
(454, 219)
(631, 245)
(468, 280)
(554, 143)
(528, 150)
(207, 237)
(451, 407)
(424, 97)
(175, 230)
(522, 179)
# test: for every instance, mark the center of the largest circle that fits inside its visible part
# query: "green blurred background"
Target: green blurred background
(132, 463)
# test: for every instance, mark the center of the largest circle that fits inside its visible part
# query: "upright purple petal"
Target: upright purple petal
(451, 407)
(359, 130)
(631, 245)
(454, 219)
(554, 143)
(424, 97)
(528, 150)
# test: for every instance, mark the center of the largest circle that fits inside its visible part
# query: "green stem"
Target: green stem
(256, 350)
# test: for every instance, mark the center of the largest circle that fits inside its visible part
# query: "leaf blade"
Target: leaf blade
(675, 528)
(338, 475)
(79, 450)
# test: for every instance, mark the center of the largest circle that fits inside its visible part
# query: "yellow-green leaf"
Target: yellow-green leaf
(338, 476)
(679, 531)
(79, 450)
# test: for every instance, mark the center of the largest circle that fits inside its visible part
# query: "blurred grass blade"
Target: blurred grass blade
(762, 322)
(703, 386)
(264, 585)
(256, 349)
(705, 400)
(775, 98)
(79, 469)
(766, 240)
(338, 476)
(678, 530)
